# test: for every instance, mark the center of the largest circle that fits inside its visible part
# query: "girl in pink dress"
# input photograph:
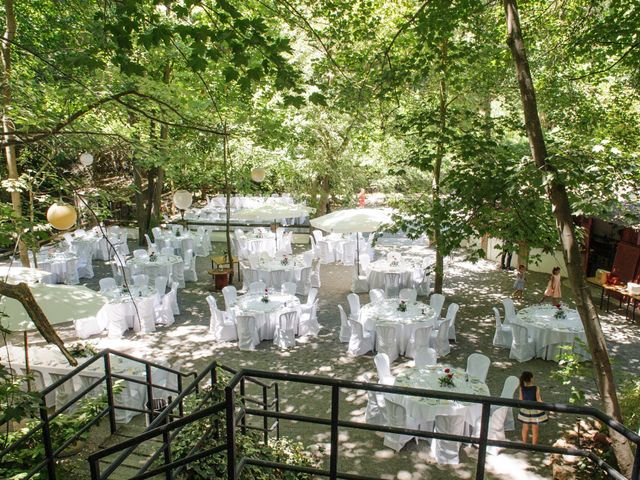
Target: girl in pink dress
(553, 287)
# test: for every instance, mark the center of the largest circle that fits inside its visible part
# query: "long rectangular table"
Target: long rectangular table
(607, 290)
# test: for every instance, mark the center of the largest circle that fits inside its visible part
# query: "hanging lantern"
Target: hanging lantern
(86, 159)
(258, 174)
(61, 216)
(182, 199)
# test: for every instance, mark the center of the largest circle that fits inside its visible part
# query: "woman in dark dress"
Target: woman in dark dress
(529, 391)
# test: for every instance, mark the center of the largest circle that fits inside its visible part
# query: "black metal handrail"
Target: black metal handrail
(43, 427)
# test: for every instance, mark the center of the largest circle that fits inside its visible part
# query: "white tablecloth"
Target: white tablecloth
(267, 314)
(256, 244)
(425, 409)
(48, 364)
(170, 266)
(273, 272)
(416, 315)
(550, 333)
(125, 305)
(62, 265)
(168, 239)
(378, 269)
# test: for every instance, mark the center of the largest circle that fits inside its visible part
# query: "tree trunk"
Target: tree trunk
(8, 128)
(437, 169)
(570, 247)
(159, 184)
(227, 193)
(323, 201)
(22, 293)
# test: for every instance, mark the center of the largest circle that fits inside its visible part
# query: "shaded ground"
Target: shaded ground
(475, 287)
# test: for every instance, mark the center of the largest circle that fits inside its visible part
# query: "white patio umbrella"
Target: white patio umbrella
(353, 220)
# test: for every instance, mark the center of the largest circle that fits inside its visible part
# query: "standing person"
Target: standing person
(553, 287)
(518, 286)
(362, 197)
(505, 260)
(529, 391)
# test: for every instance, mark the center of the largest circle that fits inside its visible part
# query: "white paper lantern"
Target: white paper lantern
(86, 159)
(182, 199)
(258, 174)
(61, 216)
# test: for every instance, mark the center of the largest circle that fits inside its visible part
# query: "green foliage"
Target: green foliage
(629, 397)
(571, 368)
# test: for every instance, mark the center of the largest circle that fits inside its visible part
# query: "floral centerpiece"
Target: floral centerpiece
(178, 233)
(447, 379)
(78, 350)
(285, 261)
(402, 306)
(394, 263)
(153, 257)
(560, 313)
(265, 297)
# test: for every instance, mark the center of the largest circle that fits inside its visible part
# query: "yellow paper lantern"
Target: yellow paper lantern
(61, 216)
(258, 174)
(86, 159)
(182, 199)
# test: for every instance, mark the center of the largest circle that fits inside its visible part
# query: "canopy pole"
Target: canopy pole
(26, 359)
(358, 252)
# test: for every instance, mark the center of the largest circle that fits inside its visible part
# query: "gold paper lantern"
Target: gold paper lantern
(61, 216)
(182, 199)
(86, 159)
(258, 174)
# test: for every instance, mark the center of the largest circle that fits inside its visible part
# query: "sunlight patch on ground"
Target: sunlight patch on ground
(509, 466)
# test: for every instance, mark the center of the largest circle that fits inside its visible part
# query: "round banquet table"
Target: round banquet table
(62, 265)
(273, 272)
(168, 239)
(267, 314)
(170, 266)
(416, 315)
(378, 269)
(425, 409)
(123, 302)
(550, 333)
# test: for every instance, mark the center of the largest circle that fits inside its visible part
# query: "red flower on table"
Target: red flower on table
(450, 375)
(446, 370)
(558, 305)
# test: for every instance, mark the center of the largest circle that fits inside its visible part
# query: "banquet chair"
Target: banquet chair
(503, 336)
(140, 253)
(345, 328)
(394, 257)
(307, 258)
(160, 283)
(85, 255)
(230, 295)
(383, 367)
(359, 283)
(287, 239)
(144, 321)
(311, 296)
(497, 423)
(289, 288)
(190, 274)
(425, 356)
(509, 309)
(68, 238)
(87, 326)
(523, 348)
(396, 416)
(141, 280)
(163, 310)
(478, 366)
(437, 302)
(303, 284)
(387, 339)
(354, 305)
(348, 252)
(365, 263)
(408, 294)
(168, 251)
(509, 388)
(71, 276)
(440, 340)
(157, 232)
(248, 337)
(186, 244)
(392, 282)
(151, 247)
(173, 295)
(447, 452)
(314, 246)
(115, 317)
(325, 252)
(285, 333)
(452, 312)
(376, 295)
(64, 392)
(106, 284)
(317, 235)
(309, 325)
(257, 287)
(420, 337)
(221, 324)
(374, 414)
(124, 246)
(360, 341)
(314, 277)
(424, 286)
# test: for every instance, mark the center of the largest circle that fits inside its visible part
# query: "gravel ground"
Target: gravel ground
(475, 287)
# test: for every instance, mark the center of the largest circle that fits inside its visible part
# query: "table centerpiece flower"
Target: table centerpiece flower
(394, 263)
(79, 350)
(560, 313)
(153, 257)
(402, 306)
(447, 379)
(265, 296)
(284, 261)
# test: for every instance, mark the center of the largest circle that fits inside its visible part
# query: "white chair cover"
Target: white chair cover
(248, 336)
(478, 366)
(221, 324)
(164, 312)
(289, 288)
(509, 309)
(376, 295)
(146, 312)
(354, 305)
(452, 311)
(509, 388)
(257, 287)
(424, 286)
(522, 347)
(311, 296)
(160, 283)
(440, 340)
(437, 302)
(303, 284)
(360, 342)
(116, 317)
(425, 356)
(85, 327)
(365, 262)
(345, 328)
(392, 284)
(408, 294)
(307, 258)
(141, 280)
(420, 337)
(106, 284)
(387, 339)
(309, 325)
(314, 277)
(374, 414)
(140, 253)
(190, 274)
(447, 451)
(285, 335)
(230, 295)
(503, 336)
(383, 367)
(396, 416)
(173, 295)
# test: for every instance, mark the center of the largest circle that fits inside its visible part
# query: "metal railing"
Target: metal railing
(168, 429)
(236, 412)
(106, 380)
